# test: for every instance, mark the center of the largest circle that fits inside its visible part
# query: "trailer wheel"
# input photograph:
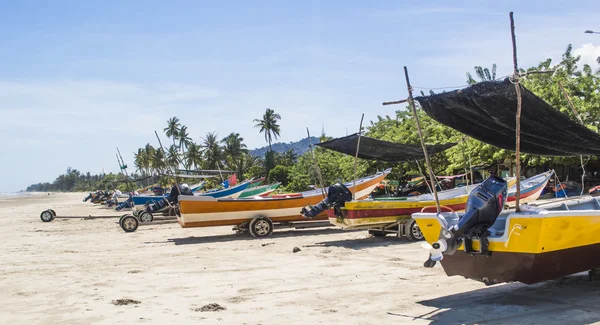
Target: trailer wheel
(47, 216)
(121, 219)
(261, 227)
(145, 217)
(129, 223)
(53, 213)
(413, 232)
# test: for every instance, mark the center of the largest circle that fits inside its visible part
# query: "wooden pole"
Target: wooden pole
(518, 117)
(414, 110)
(317, 169)
(356, 156)
(581, 122)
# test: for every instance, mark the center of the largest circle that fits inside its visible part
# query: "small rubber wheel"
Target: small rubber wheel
(261, 227)
(377, 233)
(47, 216)
(129, 223)
(121, 219)
(145, 217)
(53, 213)
(413, 232)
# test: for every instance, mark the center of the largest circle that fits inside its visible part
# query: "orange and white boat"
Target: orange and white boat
(259, 215)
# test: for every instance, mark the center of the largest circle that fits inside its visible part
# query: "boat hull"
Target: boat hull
(527, 268)
(371, 214)
(529, 247)
(206, 212)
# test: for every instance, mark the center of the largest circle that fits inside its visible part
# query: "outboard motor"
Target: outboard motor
(337, 196)
(483, 207)
(155, 206)
(125, 204)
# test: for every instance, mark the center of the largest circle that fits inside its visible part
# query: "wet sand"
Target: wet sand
(69, 271)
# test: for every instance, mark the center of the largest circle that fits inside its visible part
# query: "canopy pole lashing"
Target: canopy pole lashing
(317, 169)
(518, 117)
(356, 155)
(429, 169)
(580, 121)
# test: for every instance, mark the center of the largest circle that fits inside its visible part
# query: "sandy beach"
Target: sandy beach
(73, 271)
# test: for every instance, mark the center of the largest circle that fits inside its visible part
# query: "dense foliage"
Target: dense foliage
(296, 170)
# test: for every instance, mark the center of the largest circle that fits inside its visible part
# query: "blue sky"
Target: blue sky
(79, 78)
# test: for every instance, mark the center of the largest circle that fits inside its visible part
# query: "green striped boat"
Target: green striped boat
(260, 190)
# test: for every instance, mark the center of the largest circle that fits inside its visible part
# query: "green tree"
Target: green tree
(212, 151)
(172, 129)
(483, 74)
(268, 125)
(173, 156)
(233, 149)
(184, 139)
(193, 156)
(279, 174)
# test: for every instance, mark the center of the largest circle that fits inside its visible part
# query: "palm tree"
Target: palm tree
(172, 129)
(184, 139)
(193, 156)
(158, 162)
(289, 157)
(246, 162)
(268, 125)
(173, 156)
(212, 150)
(483, 74)
(233, 149)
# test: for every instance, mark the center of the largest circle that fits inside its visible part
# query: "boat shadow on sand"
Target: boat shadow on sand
(572, 300)
(362, 243)
(247, 237)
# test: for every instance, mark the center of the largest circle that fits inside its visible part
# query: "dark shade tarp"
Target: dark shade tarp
(381, 150)
(487, 111)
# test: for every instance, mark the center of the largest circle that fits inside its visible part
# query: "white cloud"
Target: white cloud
(589, 54)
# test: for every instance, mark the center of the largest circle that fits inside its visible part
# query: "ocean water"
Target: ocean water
(5, 194)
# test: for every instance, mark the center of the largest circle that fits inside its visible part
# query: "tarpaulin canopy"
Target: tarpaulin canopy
(486, 111)
(381, 150)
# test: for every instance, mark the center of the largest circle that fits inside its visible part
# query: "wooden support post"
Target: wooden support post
(430, 170)
(356, 156)
(317, 169)
(518, 117)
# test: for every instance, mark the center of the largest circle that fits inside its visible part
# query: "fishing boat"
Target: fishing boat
(531, 188)
(528, 244)
(263, 190)
(233, 192)
(538, 244)
(259, 215)
(392, 215)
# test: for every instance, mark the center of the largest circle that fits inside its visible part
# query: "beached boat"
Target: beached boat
(537, 243)
(392, 215)
(263, 190)
(548, 242)
(258, 215)
(233, 192)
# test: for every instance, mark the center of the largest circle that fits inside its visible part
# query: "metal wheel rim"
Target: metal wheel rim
(129, 223)
(262, 227)
(145, 217)
(416, 231)
(47, 216)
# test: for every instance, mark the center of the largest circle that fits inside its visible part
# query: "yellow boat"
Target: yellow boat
(538, 244)
(392, 215)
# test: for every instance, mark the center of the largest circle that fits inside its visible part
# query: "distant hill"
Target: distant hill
(299, 147)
